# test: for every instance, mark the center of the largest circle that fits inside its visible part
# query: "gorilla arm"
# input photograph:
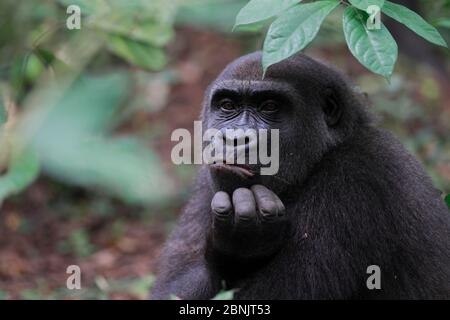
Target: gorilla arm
(183, 270)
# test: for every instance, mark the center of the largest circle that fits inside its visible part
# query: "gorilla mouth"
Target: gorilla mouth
(241, 170)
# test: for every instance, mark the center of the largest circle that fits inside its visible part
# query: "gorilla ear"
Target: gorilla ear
(332, 109)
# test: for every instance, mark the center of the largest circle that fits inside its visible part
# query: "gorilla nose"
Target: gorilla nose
(240, 145)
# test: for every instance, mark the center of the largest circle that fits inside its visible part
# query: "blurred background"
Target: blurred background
(86, 117)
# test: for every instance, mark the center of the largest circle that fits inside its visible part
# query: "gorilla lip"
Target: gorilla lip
(238, 169)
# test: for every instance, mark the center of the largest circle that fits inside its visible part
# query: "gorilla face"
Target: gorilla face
(241, 99)
(251, 106)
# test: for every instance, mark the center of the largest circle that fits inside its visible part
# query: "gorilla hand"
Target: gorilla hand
(250, 226)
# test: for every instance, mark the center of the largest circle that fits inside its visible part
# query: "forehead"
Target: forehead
(247, 67)
(245, 74)
(297, 70)
(253, 89)
(249, 85)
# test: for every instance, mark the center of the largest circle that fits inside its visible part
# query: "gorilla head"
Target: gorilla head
(311, 105)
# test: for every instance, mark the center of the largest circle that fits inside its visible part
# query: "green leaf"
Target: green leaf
(447, 200)
(3, 295)
(414, 22)
(137, 53)
(294, 30)
(22, 171)
(375, 49)
(145, 21)
(46, 56)
(68, 128)
(141, 287)
(211, 14)
(88, 7)
(147, 31)
(254, 27)
(123, 167)
(445, 23)
(260, 10)
(3, 113)
(34, 68)
(364, 4)
(224, 295)
(80, 243)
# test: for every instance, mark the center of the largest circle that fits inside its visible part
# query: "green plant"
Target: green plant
(57, 118)
(297, 24)
(78, 243)
(222, 295)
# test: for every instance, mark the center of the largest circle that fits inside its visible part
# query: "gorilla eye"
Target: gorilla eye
(227, 105)
(269, 107)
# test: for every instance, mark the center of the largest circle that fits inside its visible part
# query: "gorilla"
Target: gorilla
(347, 196)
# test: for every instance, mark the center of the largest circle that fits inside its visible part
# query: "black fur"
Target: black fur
(353, 195)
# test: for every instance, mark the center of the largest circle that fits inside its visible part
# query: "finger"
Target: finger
(222, 207)
(281, 207)
(244, 207)
(266, 202)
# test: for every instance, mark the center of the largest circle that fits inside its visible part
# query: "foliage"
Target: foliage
(212, 14)
(64, 117)
(297, 24)
(414, 22)
(135, 30)
(376, 50)
(70, 135)
(224, 295)
(3, 114)
(293, 30)
(78, 243)
(265, 9)
(101, 288)
(23, 169)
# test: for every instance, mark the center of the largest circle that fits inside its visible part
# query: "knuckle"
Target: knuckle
(268, 216)
(222, 209)
(268, 207)
(245, 214)
(259, 187)
(222, 215)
